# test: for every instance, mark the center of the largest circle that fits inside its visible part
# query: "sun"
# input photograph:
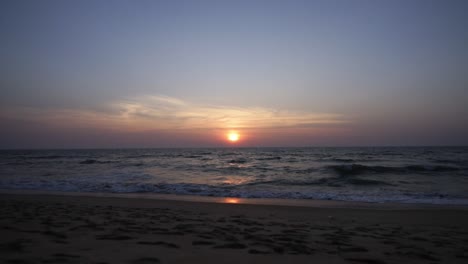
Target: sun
(233, 136)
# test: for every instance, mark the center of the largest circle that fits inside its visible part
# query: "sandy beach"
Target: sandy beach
(49, 228)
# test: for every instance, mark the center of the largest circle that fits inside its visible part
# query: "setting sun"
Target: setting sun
(233, 136)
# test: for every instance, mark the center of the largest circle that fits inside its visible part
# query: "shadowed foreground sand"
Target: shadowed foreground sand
(71, 229)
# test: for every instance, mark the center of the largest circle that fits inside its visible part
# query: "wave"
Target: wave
(431, 168)
(50, 157)
(45, 157)
(192, 156)
(19, 163)
(357, 169)
(204, 153)
(93, 161)
(139, 156)
(330, 181)
(359, 181)
(269, 158)
(342, 160)
(238, 161)
(290, 173)
(463, 163)
(227, 191)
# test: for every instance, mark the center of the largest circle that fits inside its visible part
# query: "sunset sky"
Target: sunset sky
(92, 74)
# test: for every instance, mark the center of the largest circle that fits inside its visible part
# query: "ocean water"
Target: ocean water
(436, 175)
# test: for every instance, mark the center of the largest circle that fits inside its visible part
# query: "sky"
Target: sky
(117, 74)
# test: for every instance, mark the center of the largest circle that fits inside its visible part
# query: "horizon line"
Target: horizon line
(242, 147)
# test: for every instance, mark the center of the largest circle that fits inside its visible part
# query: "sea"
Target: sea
(429, 175)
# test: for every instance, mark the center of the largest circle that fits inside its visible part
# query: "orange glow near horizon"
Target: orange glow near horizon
(231, 200)
(233, 136)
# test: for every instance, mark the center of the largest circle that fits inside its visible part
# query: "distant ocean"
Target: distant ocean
(435, 175)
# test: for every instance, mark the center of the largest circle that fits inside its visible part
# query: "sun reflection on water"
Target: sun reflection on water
(231, 200)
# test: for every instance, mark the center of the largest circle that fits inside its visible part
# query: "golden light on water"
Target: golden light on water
(231, 200)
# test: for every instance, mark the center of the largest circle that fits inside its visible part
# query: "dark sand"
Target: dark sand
(80, 229)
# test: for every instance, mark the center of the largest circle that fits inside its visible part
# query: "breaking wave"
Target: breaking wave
(230, 191)
(364, 174)
(356, 169)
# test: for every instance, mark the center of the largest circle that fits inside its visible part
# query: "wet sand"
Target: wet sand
(41, 228)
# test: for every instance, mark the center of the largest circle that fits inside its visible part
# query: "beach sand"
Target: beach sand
(83, 229)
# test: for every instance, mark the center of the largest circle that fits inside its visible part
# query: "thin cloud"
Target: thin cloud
(163, 112)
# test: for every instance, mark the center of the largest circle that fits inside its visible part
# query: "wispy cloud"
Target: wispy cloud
(162, 112)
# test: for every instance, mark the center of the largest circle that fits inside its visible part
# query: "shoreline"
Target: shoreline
(249, 201)
(51, 228)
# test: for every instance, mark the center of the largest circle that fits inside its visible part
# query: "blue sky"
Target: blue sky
(282, 73)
